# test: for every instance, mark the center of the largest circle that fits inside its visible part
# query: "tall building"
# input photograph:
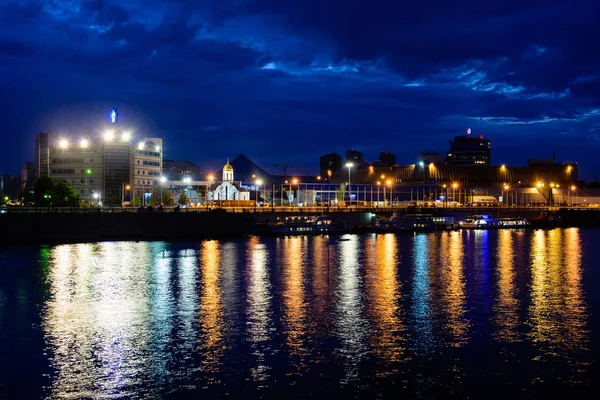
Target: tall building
(42, 153)
(469, 150)
(329, 164)
(28, 175)
(100, 169)
(177, 170)
(80, 164)
(386, 159)
(147, 166)
(354, 156)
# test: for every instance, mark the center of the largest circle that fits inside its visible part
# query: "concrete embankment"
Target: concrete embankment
(60, 227)
(75, 227)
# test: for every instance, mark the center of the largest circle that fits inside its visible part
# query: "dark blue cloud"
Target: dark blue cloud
(284, 81)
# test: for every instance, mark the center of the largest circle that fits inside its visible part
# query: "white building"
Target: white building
(228, 189)
(146, 166)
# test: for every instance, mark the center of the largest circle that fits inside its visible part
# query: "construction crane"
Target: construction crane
(285, 167)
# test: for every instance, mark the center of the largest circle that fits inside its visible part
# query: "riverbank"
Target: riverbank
(63, 227)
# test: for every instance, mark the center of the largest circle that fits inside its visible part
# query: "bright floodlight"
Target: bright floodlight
(157, 148)
(187, 179)
(63, 143)
(126, 136)
(84, 143)
(109, 135)
(421, 163)
(295, 181)
(95, 195)
(211, 178)
(141, 146)
(349, 165)
(259, 182)
(163, 179)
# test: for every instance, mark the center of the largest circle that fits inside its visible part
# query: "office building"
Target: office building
(42, 153)
(28, 175)
(469, 150)
(177, 170)
(329, 164)
(385, 160)
(107, 168)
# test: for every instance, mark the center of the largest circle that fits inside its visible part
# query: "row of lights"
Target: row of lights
(108, 137)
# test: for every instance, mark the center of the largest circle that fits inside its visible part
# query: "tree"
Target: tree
(183, 199)
(49, 192)
(136, 201)
(155, 199)
(64, 195)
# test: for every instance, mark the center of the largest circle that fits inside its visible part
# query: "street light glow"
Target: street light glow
(163, 179)
(187, 179)
(349, 164)
(109, 135)
(141, 146)
(259, 182)
(125, 137)
(211, 178)
(84, 143)
(295, 181)
(421, 163)
(63, 143)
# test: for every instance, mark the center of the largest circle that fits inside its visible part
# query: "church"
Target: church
(227, 189)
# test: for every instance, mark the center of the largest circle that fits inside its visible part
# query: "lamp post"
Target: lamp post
(187, 180)
(210, 179)
(162, 181)
(445, 195)
(87, 173)
(294, 181)
(505, 188)
(574, 199)
(349, 165)
(258, 183)
(454, 186)
(389, 183)
(378, 184)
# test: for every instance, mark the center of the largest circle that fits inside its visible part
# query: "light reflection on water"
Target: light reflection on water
(125, 319)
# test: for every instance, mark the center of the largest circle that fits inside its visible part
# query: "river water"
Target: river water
(510, 313)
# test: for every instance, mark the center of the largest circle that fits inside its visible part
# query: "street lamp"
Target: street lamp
(445, 195)
(389, 183)
(294, 181)
(211, 179)
(258, 183)
(454, 186)
(162, 181)
(378, 184)
(505, 188)
(187, 180)
(84, 143)
(349, 165)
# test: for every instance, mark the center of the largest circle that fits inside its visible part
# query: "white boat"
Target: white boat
(307, 225)
(487, 222)
(415, 223)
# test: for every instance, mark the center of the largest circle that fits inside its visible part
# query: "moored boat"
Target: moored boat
(487, 222)
(415, 223)
(304, 225)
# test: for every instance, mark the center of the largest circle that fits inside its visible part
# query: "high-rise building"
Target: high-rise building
(329, 164)
(28, 175)
(177, 170)
(147, 167)
(469, 150)
(101, 169)
(354, 156)
(386, 159)
(42, 154)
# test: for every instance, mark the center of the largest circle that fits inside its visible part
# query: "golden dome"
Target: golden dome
(228, 167)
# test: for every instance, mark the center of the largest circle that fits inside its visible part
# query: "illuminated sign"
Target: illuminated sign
(113, 115)
(468, 131)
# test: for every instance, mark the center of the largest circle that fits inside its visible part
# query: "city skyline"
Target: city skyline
(286, 83)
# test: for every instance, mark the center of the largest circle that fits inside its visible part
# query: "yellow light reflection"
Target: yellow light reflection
(211, 314)
(557, 313)
(383, 303)
(294, 301)
(453, 285)
(506, 309)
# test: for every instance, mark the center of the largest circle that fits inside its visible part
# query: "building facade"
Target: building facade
(329, 164)
(469, 150)
(177, 170)
(109, 169)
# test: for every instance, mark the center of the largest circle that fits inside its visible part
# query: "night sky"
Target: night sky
(284, 81)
